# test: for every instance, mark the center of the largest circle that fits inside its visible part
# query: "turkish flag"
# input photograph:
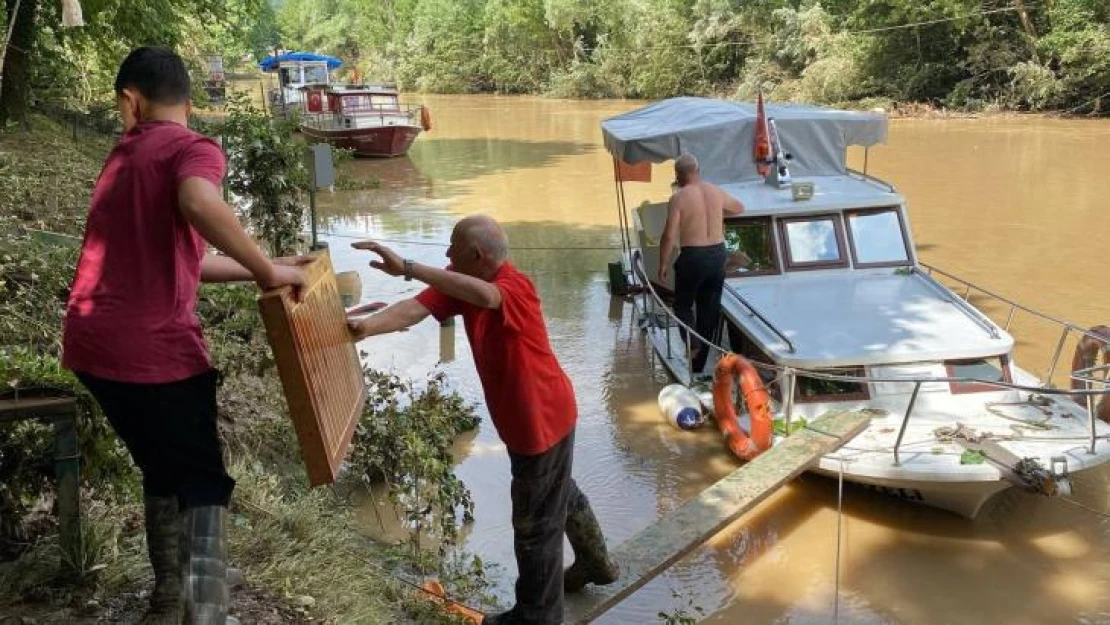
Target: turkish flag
(638, 172)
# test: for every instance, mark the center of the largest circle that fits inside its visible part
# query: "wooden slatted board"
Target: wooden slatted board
(318, 366)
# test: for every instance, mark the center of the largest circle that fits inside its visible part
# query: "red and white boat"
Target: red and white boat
(369, 120)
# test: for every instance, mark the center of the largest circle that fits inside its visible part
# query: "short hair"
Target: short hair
(493, 240)
(486, 234)
(686, 163)
(158, 73)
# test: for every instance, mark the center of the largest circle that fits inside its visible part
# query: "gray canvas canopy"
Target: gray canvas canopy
(720, 134)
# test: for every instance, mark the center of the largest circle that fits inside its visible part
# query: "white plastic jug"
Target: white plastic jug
(680, 406)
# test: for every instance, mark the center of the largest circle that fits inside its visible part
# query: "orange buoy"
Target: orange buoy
(425, 118)
(758, 402)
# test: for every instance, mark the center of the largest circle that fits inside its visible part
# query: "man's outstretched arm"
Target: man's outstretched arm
(397, 317)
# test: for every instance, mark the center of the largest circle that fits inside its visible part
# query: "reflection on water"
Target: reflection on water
(1014, 204)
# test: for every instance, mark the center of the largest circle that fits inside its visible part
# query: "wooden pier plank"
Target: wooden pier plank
(659, 546)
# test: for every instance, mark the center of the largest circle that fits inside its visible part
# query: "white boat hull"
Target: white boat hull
(963, 498)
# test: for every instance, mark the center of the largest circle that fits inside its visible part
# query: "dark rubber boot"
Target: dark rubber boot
(501, 618)
(163, 530)
(592, 564)
(204, 565)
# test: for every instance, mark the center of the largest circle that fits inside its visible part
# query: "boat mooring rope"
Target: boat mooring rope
(587, 248)
(839, 517)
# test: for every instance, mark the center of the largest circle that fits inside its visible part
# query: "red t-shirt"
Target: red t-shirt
(530, 398)
(131, 313)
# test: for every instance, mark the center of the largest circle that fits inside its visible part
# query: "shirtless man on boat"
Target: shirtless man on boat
(695, 221)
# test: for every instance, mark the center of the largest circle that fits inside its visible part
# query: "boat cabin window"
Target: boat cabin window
(995, 369)
(811, 390)
(813, 242)
(381, 101)
(316, 74)
(877, 238)
(286, 76)
(750, 247)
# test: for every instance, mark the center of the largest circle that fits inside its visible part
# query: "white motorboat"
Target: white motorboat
(833, 306)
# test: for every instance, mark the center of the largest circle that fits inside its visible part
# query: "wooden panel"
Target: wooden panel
(319, 368)
(659, 546)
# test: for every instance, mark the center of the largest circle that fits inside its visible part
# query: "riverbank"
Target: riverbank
(302, 557)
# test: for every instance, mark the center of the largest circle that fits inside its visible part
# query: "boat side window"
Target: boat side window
(750, 247)
(813, 242)
(315, 74)
(996, 369)
(383, 101)
(809, 390)
(877, 238)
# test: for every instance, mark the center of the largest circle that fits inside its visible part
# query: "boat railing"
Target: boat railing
(869, 178)
(962, 304)
(1092, 388)
(1067, 328)
(382, 111)
(753, 311)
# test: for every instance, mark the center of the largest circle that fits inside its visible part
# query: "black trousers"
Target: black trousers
(170, 430)
(541, 488)
(699, 278)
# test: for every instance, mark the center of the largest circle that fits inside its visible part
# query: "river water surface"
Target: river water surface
(1014, 204)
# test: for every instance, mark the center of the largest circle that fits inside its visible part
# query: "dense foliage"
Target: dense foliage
(964, 54)
(956, 53)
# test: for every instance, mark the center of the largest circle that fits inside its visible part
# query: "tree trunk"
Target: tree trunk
(15, 88)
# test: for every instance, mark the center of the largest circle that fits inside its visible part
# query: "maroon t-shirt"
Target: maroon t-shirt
(530, 398)
(131, 313)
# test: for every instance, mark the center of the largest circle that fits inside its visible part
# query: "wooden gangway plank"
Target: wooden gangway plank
(659, 546)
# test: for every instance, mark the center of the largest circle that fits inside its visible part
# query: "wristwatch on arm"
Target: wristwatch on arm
(408, 270)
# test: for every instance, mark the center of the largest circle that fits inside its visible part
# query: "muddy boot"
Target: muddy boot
(204, 565)
(592, 564)
(163, 529)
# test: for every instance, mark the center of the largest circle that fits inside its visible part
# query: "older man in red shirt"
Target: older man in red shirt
(530, 400)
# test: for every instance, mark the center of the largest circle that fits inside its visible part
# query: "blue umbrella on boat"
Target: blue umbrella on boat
(271, 63)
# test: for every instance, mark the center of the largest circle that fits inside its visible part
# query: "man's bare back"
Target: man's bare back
(699, 209)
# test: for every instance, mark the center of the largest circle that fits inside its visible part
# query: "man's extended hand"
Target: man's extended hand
(390, 263)
(358, 318)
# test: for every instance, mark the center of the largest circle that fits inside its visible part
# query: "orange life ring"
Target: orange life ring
(425, 118)
(1086, 355)
(757, 400)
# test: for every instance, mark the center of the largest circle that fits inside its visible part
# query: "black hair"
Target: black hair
(158, 73)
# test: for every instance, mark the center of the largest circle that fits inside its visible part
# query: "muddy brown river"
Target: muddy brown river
(1014, 204)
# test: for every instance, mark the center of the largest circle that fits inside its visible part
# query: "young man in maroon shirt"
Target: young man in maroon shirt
(530, 400)
(132, 335)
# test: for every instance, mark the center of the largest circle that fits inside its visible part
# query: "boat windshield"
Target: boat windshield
(813, 242)
(751, 250)
(878, 238)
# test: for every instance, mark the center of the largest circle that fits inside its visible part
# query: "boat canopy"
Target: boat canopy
(721, 135)
(271, 63)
